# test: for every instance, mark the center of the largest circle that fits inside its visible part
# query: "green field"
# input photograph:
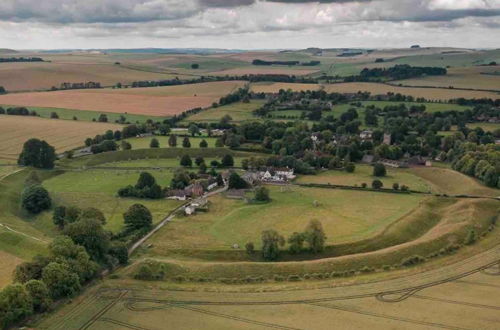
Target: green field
(363, 174)
(143, 143)
(488, 127)
(87, 115)
(231, 222)
(239, 112)
(98, 188)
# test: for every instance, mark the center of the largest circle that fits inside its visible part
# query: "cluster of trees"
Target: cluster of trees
(311, 240)
(397, 72)
(38, 154)
(20, 59)
(78, 85)
(240, 95)
(75, 258)
(226, 161)
(146, 187)
(481, 163)
(17, 111)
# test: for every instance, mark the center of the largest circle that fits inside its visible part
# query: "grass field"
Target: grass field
(239, 112)
(9, 263)
(159, 101)
(98, 188)
(450, 182)
(465, 77)
(363, 174)
(62, 134)
(284, 70)
(231, 222)
(143, 143)
(428, 93)
(85, 115)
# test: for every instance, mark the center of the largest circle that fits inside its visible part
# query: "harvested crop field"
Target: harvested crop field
(62, 134)
(428, 93)
(42, 76)
(154, 101)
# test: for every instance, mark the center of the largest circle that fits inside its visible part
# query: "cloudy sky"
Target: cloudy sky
(248, 24)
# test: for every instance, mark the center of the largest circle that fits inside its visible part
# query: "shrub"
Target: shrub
(471, 237)
(404, 188)
(350, 167)
(379, 170)
(395, 186)
(279, 278)
(262, 194)
(154, 143)
(294, 278)
(364, 185)
(250, 248)
(377, 184)
(413, 260)
(186, 161)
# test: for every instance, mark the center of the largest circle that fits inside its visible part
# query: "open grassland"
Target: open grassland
(140, 154)
(482, 77)
(9, 263)
(239, 112)
(159, 101)
(363, 174)
(431, 238)
(62, 134)
(447, 181)
(85, 115)
(231, 222)
(143, 143)
(428, 93)
(98, 188)
(166, 163)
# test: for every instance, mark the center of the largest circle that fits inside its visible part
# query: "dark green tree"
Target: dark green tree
(315, 236)
(236, 182)
(194, 130)
(39, 294)
(93, 213)
(203, 144)
(154, 143)
(379, 170)
(296, 242)
(270, 245)
(15, 305)
(90, 234)
(138, 217)
(38, 154)
(377, 184)
(227, 161)
(35, 199)
(186, 143)
(172, 140)
(59, 217)
(60, 280)
(145, 180)
(186, 161)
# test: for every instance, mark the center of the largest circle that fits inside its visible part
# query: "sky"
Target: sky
(248, 24)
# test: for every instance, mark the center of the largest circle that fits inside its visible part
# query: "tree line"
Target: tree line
(20, 59)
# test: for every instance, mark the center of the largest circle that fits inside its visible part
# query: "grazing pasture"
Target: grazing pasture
(363, 174)
(428, 93)
(62, 134)
(98, 188)
(239, 112)
(159, 101)
(478, 77)
(233, 221)
(447, 181)
(85, 115)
